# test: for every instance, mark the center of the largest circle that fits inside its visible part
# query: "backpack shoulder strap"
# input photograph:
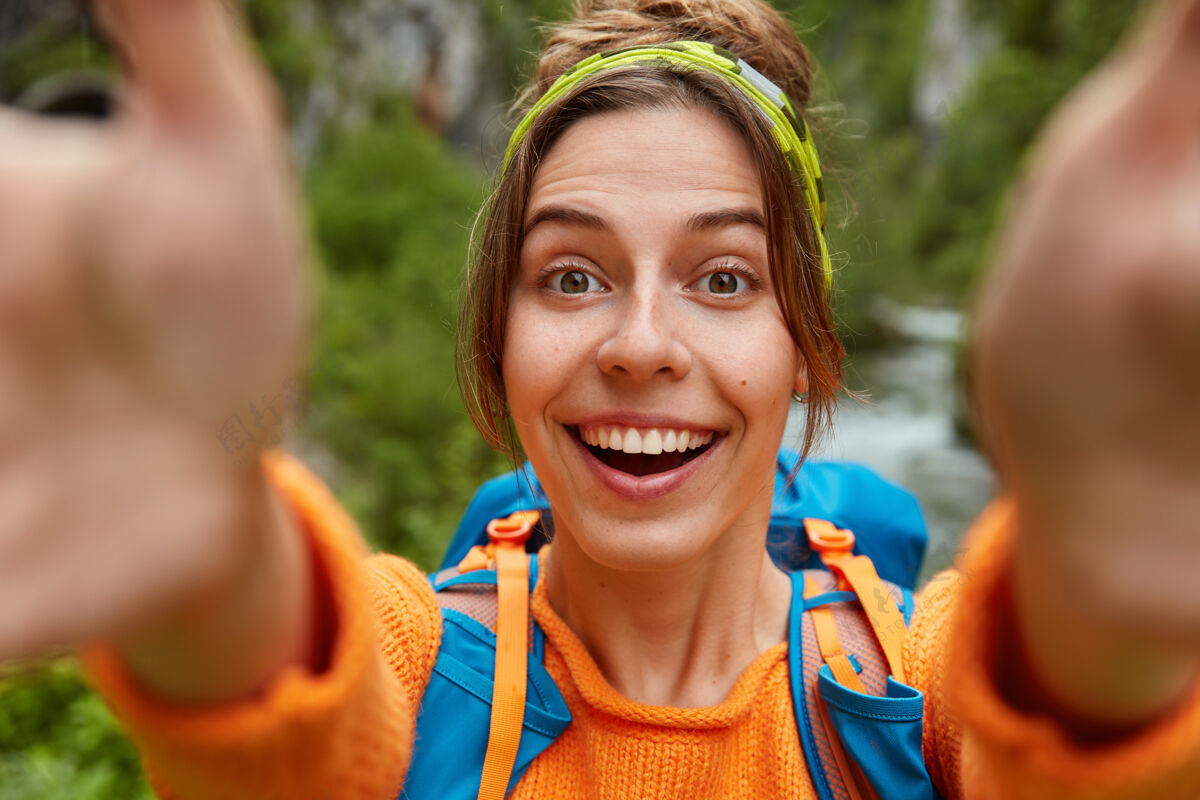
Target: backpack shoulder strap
(512, 632)
(857, 574)
(480, 725)
(474, 596)
(860, 727)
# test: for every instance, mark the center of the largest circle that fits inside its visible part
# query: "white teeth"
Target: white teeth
(652, 441)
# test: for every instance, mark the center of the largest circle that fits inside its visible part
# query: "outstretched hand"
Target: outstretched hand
(1087, 353)
(151, 285)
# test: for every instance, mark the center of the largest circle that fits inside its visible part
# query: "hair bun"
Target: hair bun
(752, 29)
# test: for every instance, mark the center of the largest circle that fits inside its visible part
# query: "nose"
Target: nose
(645, 342)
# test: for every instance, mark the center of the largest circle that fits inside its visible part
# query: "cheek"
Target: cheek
(760, 367)
(522, 362)
(538, 359)
(768, 399)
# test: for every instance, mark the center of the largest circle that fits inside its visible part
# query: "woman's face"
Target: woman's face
(647, 365)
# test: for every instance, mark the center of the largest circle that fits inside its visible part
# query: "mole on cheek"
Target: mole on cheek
(743, 383)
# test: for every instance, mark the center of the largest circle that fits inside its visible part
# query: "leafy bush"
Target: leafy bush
(392, 211)
(58, 741)
(925, 210)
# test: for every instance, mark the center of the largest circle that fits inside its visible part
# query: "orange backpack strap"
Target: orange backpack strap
(844, 673)
(858, 573)
(829, 643)
(512, 629)
(844, 647)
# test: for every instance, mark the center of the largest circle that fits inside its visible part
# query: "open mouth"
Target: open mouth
(643, 451)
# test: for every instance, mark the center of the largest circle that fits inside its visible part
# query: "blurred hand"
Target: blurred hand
(151, 286)
(1087, 355)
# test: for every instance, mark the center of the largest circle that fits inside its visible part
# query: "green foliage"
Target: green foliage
(392, 211)
(44, 51)
(965, 186)
(1046, 48)
(869, 50)
(292, 52)
(59, 742)
(515, 32)
(927, 202)
(1078, 32)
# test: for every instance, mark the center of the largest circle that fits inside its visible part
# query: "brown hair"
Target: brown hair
(762, 37)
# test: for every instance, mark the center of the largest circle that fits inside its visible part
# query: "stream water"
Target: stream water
(904, 427)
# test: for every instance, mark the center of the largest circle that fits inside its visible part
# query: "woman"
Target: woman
(651, 271)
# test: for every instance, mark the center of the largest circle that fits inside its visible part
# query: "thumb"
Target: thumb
(187, 60)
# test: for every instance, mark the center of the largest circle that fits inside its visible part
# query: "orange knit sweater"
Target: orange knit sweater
(345, 734)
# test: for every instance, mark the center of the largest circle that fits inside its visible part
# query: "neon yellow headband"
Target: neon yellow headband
(790, 131)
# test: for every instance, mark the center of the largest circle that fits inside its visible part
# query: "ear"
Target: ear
(801, 385)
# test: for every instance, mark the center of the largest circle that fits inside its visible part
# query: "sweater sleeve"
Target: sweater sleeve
(978, 745)
(342, 734)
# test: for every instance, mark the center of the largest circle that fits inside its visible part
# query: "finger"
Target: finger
(43, 166)
(1170, 47)
(1165, 291)
(1183, 34)
(28, 534)
(188, 59)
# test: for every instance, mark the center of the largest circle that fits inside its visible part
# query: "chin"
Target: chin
(644, 544)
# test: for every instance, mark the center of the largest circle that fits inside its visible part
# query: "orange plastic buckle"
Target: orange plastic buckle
(514, 530)
(476, 558)
(824, 537)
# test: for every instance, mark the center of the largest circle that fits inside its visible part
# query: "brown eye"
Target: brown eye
(723, 283)
(575, 282)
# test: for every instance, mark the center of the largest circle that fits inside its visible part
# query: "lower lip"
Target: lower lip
(646, 487)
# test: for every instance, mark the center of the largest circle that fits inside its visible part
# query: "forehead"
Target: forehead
(642, 161)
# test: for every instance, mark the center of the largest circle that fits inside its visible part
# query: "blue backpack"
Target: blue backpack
(859, 726)
(886, 518)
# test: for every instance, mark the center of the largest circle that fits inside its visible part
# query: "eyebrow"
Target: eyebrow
(697, 223)
(711, 220)
(572, 216)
